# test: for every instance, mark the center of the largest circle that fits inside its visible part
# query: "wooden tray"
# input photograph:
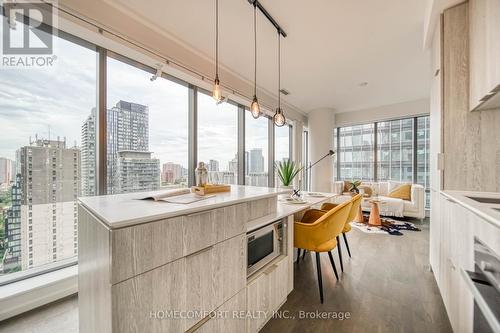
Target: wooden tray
(210, 188)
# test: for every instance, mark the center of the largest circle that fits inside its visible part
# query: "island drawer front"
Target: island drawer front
(140, 248)
(261, 207)
(200, 282)
(204, 229)
(142, 304)
(215, 274)
(229, 318)
(143, 247)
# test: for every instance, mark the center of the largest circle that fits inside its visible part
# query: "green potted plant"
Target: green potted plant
(287, 170)
(353, 186)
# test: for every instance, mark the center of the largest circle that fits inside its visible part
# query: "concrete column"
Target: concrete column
(321, 125)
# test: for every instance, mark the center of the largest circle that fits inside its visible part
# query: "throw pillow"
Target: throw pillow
(367, 190)
(402, 191)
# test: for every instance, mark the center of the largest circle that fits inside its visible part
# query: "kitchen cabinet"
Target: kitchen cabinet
(266, 292)
(484, 61)
(451, 251)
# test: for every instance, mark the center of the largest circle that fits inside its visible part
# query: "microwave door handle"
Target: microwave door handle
(481, 302)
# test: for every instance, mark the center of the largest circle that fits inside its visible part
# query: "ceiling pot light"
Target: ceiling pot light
(217, 94)
(255, 107)
(279, 117)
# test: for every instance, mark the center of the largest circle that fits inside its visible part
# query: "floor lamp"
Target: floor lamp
(330, 153)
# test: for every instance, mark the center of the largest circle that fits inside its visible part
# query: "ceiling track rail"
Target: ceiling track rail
(257, 4)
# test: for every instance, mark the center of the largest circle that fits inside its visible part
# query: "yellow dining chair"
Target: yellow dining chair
(356, 202)
(316, 232)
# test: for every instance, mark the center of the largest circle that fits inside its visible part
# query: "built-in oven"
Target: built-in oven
(264, 244)
(484, 284)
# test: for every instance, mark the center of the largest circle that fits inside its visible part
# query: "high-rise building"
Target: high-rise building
(127, 126)
(256, 161)
(12, 222)
(213, 165)
(88, 153)
(233, 165)
(137, 171)
(171, 172)
(50, 184)
(7, 171)
(127, 130)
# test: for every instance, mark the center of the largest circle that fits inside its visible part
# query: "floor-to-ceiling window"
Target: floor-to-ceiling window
(355, 152)
(218, 139)
(423, 142)
(282, 147)
(256, 150)
(395, 150)
(43, 111)
(147, 129)
(401, 148)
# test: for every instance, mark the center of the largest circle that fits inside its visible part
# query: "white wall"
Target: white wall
(321, 126)
(386, 112)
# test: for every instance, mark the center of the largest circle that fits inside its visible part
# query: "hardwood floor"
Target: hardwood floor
(386, 287)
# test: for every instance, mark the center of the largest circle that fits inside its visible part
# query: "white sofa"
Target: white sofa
(389, 206)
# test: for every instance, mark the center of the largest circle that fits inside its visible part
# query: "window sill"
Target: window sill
(25, 295)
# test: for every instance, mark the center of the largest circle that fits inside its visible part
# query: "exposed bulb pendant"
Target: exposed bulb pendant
(217, 93)
(255, 107)
(279, 117)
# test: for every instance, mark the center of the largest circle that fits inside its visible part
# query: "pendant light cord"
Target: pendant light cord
(255, 49)
(279, 70)
(217, 39)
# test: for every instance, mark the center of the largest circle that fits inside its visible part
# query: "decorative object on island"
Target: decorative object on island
(217, 94)
(255, 107)
(201, 174)
(287, 170)
(210, 188)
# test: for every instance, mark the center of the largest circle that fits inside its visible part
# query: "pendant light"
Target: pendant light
(217, 94)
(279, 117)
(255, 107)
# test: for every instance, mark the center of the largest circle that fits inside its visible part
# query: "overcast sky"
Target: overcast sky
(59, 99)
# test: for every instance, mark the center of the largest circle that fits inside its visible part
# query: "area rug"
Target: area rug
(389, 227)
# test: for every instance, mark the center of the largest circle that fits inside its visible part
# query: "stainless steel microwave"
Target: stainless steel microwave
(264, 245)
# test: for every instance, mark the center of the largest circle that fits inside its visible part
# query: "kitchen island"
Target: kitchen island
(147, 266)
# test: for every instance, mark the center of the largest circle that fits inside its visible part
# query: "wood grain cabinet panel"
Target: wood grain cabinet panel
(198, 231)
(93, 274)
(200, 285)
(484, 36)
(230, 221)
(146, 246)
(205, 229)
(214, 275)
(230, 267)
(257, 301)
(261, 207)
(226, 319)
(138, 302)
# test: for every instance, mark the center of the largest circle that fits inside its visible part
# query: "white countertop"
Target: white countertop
(488, 211)
(122, 210)
(285, 209)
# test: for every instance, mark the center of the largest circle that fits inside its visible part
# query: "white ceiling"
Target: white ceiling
(332, 46)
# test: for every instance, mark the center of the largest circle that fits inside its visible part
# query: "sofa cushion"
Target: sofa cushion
(403, 191)
(366, 190)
